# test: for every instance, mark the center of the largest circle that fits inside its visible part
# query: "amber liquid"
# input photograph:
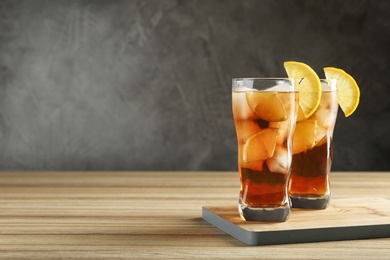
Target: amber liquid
(264, 125)
(309, 171)
(260, 187)
(263, 188)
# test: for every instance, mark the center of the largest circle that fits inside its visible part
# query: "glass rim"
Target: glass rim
(276, 78)
(331, 83)
(265, 84)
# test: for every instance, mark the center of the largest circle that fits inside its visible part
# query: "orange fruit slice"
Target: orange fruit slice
(348, 92)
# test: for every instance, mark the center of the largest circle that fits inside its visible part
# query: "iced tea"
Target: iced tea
(309, 185)
(264, 119)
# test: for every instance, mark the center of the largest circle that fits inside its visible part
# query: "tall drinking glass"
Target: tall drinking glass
(309, 185)
(264, 112)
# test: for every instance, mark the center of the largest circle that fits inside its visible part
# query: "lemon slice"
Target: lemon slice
(246, 128)
(348, 93)
(304, 136)
(266, 105)
(307, 83)
(260, 146)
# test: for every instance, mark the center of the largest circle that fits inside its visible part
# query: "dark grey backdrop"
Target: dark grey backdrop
(145, 85)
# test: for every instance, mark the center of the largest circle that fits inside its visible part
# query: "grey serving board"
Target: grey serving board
(344, 219)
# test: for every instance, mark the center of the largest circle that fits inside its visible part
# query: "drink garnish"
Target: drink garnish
(260, 146)
(348, 92)
(308, 85)
(267, 106)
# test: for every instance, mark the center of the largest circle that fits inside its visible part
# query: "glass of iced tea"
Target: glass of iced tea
(264, 112)
(309, 185)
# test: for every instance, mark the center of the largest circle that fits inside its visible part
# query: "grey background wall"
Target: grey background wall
(145, 85)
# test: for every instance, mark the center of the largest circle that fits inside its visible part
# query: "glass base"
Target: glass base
(310, 202)
(277, 214)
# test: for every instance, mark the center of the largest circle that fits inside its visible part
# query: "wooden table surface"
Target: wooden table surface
(151, 215)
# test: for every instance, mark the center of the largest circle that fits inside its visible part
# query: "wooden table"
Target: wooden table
(150, 215)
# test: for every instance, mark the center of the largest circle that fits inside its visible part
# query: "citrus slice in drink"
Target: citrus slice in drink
(348, 92)
(246, 128)
(304, 136)
(308, 85)
(266, 105)
(260, 146)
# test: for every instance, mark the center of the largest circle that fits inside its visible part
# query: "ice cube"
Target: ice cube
(280, 161)
(274, 125)
(282, 87)
(325, 118)
(241, 109)
(320, 137)
(282, 130)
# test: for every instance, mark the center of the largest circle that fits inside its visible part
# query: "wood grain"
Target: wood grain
(143, 215)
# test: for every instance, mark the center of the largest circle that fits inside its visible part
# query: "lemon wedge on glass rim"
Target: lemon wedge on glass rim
(307, 83)
(348, 92)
